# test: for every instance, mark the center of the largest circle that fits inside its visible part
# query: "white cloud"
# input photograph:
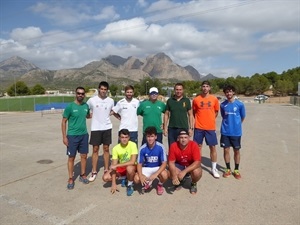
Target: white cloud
(75, 14)
(26, 35)
(280, 39)
(142, 3)
(107, 13)
(212, 36)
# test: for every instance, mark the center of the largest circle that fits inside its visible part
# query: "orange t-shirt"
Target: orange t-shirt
(205, 109)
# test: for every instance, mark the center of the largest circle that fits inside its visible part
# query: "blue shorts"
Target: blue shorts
(159, 138)
(172, 135)
(78, 143)
(100, 137)
(209, 135)
(181, 167)
(230, 141)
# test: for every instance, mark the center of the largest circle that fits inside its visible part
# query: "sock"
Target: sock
(214, 165)
(228, 166)
(236, 167)
(130, 183)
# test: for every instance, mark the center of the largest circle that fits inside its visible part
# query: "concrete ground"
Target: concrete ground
(33, 180)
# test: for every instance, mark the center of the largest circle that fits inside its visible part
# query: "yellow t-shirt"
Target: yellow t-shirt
(123, 154)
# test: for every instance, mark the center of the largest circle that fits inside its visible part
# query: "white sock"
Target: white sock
(213, 165)
(130, 183)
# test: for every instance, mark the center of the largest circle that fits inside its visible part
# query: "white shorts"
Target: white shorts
(148, 171)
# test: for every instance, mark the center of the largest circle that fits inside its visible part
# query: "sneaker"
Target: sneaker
(227, 173)
(93, 176)
(147, 186)
(160, 189)
(129, 190)
(193, 189)
(215, 173)
(236, 174)
(70, 186)
(83, 179)
(123, 182)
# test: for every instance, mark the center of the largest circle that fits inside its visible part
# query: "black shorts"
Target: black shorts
(100, 137)
(230, 141)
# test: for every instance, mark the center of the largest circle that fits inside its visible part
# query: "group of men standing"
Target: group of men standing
(178, 119)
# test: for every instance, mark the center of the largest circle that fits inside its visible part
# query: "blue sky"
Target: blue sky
(225, 38)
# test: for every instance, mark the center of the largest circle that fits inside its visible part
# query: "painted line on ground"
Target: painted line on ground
(284, 146)
(31, 210)
(31, 175)
(14, 146)
(297, 120)
(78, 215)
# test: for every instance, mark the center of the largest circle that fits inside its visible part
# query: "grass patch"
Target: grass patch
(27, 103)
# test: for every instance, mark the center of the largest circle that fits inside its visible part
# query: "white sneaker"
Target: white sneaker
(215, 173)
(93, 176)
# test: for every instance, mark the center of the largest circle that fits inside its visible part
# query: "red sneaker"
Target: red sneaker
(227, 173)
(160, 189)
(237, 174)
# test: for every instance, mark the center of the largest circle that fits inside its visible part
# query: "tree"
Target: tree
(19, 88)
(258, 85)
(272, 77)
(113, 89)
(38, 90)
(146, 84)
(292, 75)
(283, 87)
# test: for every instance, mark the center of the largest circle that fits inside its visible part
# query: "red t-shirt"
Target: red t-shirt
(187, 156)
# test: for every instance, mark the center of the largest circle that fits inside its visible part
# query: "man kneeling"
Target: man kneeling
(185, 160)
(152, 162)
(123, 163)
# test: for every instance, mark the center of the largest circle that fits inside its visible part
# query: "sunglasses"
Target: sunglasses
(80, 93)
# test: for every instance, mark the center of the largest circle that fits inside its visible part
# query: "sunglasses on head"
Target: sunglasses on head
(80, 93)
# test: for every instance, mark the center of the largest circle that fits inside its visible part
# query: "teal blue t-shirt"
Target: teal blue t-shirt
(76, 115)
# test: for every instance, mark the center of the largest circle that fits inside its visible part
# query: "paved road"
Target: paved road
(34, 176)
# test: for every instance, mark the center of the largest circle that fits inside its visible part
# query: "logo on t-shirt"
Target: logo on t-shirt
(152, 159)
(202, 104)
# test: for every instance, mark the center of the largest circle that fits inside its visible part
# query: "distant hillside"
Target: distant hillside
(112, 68)
(15, 66)
(208, 77)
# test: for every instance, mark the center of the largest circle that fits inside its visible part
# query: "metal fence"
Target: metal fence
(295, 100)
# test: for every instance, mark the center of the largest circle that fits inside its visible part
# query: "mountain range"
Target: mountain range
(113, 68)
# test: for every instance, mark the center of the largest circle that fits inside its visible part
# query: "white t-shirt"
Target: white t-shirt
(127, 111)
(101, 109)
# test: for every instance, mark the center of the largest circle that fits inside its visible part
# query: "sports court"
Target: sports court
(34, 178)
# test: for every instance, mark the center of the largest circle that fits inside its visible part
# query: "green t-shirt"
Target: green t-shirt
(76, 115)
(151, 113)
(178, 112)
(123, 154)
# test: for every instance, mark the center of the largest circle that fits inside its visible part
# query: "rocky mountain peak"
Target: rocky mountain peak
(17, 64)
(115, 60)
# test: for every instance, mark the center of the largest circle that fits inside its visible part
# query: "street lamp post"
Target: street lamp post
(15, 86)
(147, 87)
